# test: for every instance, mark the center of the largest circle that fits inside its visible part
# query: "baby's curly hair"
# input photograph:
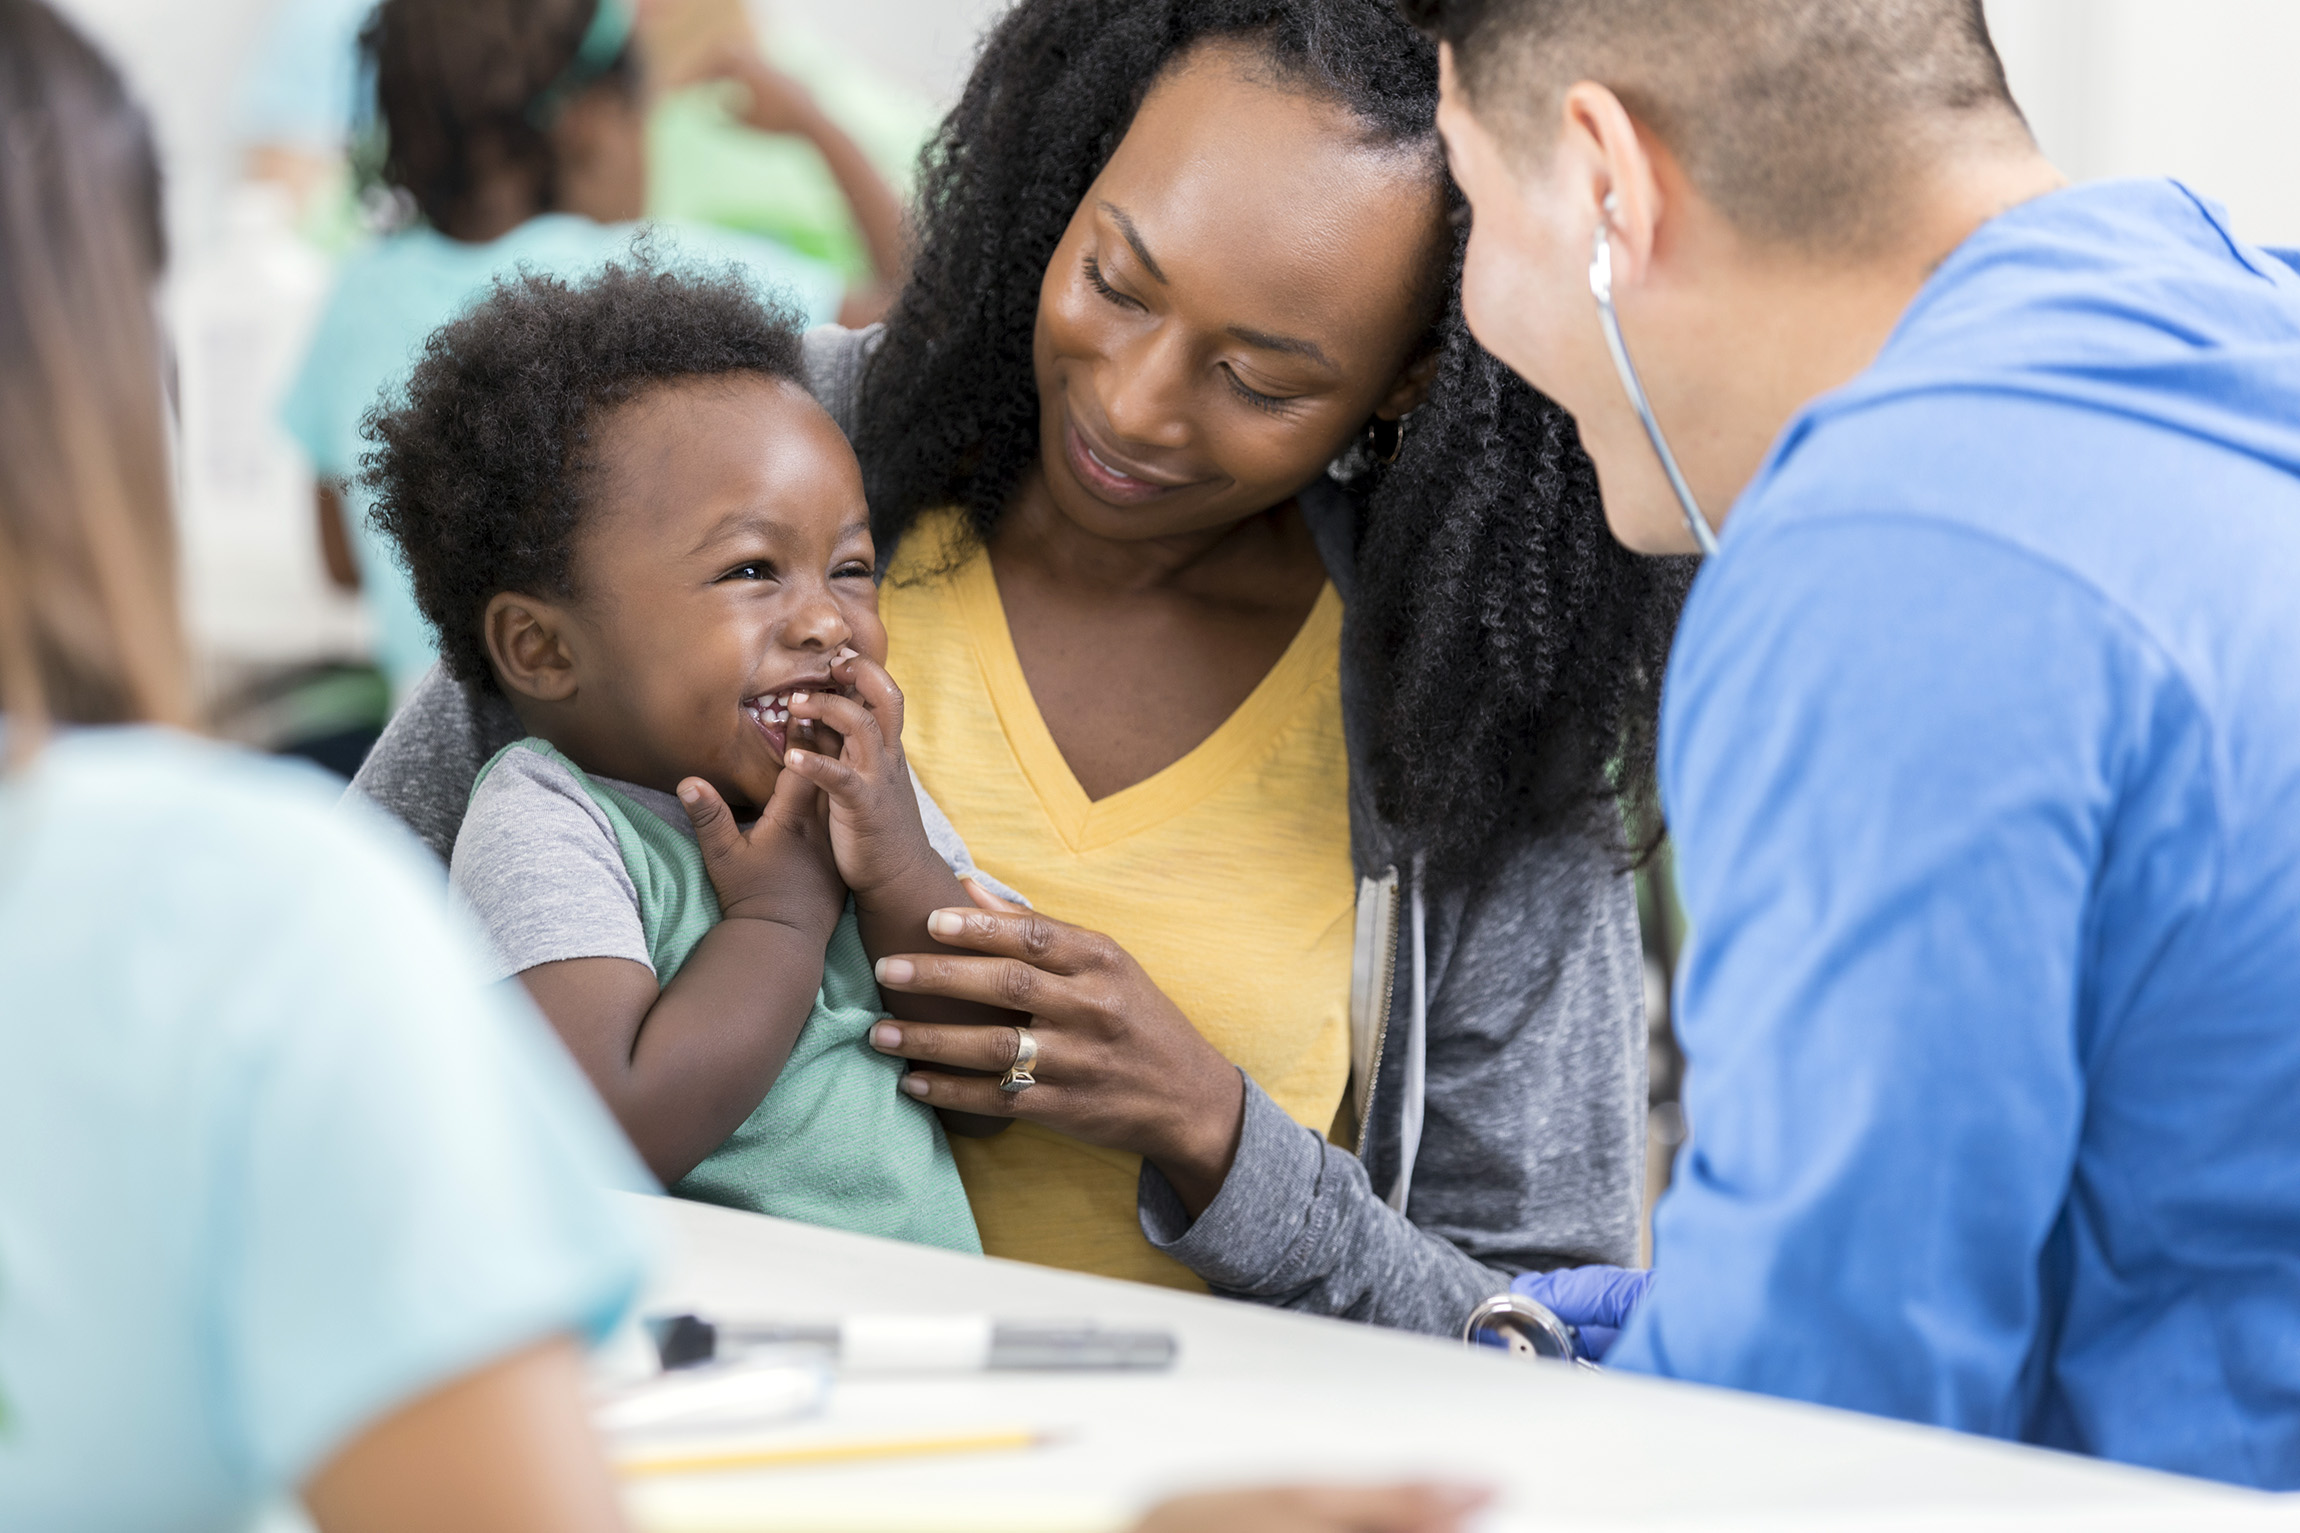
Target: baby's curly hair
(479, 472)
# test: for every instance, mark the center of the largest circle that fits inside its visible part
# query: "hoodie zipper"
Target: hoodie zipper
(1385, 995)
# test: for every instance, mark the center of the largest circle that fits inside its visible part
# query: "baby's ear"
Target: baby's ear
(527, 640)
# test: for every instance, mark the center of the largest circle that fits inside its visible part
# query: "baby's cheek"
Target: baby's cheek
(755, 786)
(869, 633)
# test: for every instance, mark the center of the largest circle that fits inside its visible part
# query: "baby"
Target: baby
(621, 509)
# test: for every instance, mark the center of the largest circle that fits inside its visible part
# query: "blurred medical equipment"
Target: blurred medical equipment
(1524, 1328)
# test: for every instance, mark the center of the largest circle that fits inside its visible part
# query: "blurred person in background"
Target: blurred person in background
(517, 130)
(305, 109)
(292, 1204)
(289, 1201)
(300, 106)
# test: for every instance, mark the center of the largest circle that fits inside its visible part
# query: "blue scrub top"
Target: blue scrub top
(390, 297)
(1981, 750)
(274, 1159)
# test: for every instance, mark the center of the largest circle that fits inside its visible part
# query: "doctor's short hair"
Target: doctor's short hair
(1804, 121)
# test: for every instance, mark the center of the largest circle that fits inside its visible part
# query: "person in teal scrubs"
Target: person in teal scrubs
(517, 131)
(291, 1202)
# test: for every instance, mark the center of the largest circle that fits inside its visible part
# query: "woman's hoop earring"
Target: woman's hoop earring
(1385, 439)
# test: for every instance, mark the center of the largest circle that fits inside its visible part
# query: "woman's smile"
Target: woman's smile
(1109, 475)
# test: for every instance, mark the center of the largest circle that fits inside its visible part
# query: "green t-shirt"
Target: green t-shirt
(834, 1142)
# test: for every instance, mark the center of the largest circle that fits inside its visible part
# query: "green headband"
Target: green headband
(602, 45)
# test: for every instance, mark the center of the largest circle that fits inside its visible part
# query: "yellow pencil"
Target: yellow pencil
(829, 1453)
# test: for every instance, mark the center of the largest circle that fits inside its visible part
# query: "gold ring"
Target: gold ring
(1018, 1076)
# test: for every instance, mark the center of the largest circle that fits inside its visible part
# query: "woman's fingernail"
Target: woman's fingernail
(846, 652)
(690, 793)
(914, 1085)
(885, 1037)
(946, 923)
(897, 971)
(798, 697)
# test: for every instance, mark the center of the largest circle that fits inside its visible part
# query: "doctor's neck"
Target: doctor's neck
(1743, 332)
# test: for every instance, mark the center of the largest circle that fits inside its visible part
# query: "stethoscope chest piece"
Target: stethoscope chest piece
(1524, 1329)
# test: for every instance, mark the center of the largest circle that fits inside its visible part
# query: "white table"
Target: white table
(1260, 1395)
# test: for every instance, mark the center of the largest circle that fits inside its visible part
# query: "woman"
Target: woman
(289, 1203)
(1326, 753)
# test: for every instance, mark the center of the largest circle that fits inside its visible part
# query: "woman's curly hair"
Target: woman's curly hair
(1511, 650)
(481, 473)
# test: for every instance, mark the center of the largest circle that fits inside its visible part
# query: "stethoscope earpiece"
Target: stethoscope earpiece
(1601, 288)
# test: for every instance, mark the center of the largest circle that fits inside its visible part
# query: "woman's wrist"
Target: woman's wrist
(1196, 1152)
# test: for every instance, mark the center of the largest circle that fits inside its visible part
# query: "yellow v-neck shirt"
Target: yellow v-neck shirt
(1227, 876)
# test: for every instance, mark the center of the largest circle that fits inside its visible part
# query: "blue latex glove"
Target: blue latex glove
(1595, 1301)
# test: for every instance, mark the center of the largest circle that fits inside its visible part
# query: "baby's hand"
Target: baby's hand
(781, 869)
(876, 833)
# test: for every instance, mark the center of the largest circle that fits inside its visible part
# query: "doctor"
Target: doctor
(1981, 742)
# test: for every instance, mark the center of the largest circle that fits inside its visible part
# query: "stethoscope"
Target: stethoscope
(1601, 288)
(1521, 1326)
(1524, 1328)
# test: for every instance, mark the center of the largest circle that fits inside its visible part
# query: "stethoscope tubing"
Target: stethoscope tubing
(1601, 288)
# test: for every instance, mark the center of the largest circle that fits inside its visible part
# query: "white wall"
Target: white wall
(183, 58)
(2200, 89)
(927, 45)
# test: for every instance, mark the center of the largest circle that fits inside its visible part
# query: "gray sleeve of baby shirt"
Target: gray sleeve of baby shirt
(538, 865)
(950, 846)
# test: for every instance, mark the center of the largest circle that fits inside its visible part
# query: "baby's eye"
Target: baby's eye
(751, 569)
(853, 569)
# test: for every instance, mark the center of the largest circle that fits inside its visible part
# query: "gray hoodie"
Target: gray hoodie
(1497, 1051)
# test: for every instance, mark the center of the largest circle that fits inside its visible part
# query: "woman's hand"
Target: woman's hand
(1118, 1064)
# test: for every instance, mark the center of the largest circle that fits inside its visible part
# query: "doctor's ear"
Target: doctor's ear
(1605, 157)
(528, 641)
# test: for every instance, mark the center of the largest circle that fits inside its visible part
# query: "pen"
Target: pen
(827, 1453)
(920, 1343)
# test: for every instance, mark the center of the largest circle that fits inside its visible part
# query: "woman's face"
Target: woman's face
(1242, 287)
